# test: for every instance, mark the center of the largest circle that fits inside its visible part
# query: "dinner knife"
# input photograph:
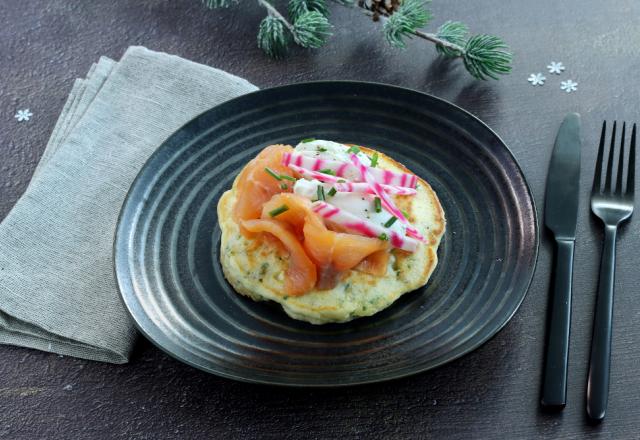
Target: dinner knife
(560, 216)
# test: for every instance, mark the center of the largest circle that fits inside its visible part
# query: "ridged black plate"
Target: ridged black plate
(168, 239)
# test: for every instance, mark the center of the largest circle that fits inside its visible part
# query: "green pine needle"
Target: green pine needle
(410, 16)
(214, 4)
(311, 30)
(272, 37)
(484, 56)
(487, 56)
(453, 32)
(298, 7)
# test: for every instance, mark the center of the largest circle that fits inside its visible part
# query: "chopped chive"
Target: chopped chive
(405, 213)
(378, 204)
(279, 210)
(390, 222)
(320, 192)
(328, 171)
(284, 176)
(304, 141)
(354, 150)
(284, 186)
(342, 181)
(383, 237)
(273, 173)
(374, 160)
(332, 192)
(322, 149)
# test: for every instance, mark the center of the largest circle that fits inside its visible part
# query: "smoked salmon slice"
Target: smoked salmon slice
(256, 186)
(375, 264)
(335, 252)
(297, 209)
(301, 275)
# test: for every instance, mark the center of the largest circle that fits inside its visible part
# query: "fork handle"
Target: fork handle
(598, 378)
(554, 388)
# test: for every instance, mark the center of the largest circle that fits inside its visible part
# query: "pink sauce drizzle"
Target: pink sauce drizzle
(362, 228)
(341, 168)
(396, 240)
(386, 201)
(350, 186)
(331, 213)
(317, 165)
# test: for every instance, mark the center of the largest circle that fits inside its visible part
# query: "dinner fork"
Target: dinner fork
(613, 205)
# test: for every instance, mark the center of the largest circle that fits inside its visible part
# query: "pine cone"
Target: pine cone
(380, 7)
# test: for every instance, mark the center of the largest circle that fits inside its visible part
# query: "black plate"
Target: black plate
(167, 242)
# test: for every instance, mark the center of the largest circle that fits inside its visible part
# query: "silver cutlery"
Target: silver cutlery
(613, 204)
(561, 216)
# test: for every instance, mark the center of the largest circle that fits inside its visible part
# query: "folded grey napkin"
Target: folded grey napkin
(57, 287)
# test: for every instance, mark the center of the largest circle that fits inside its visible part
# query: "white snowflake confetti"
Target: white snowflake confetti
(23, 115)
(536, 79)
(569, 86)
(556, 68)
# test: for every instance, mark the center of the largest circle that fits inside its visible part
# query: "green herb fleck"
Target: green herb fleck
(286, 297)
(383, 237)
(390, 222)
(273, 173)
(322, 149)
(332, 192)
(378, 204)
(374, 160)
(320, 192)
(284, 186)
(328, 171)
(342, 181)
(284, 176)
(279, 210)
(405, 213)
(353, 150)
(304, 141)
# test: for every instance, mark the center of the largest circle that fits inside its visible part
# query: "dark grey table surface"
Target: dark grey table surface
(490, 393)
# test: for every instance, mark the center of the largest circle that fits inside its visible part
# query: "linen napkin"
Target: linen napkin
(57, 287)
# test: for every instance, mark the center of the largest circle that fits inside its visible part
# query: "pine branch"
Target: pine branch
(311, 29)
(484, 56)
(272, 37)
(297, 8)
(455, 33)
(214, 4)
(403, 23)
(273, 12)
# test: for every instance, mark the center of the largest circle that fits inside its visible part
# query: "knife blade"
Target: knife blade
(561, 217)
(563, 180)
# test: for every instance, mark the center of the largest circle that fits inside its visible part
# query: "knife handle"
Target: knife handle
(554, 388)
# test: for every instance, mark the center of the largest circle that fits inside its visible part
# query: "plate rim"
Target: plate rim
(120, 260)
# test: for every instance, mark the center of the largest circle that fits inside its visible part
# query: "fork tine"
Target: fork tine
(597, 177)
(607, 180)
(631, 177)
(620, 173)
